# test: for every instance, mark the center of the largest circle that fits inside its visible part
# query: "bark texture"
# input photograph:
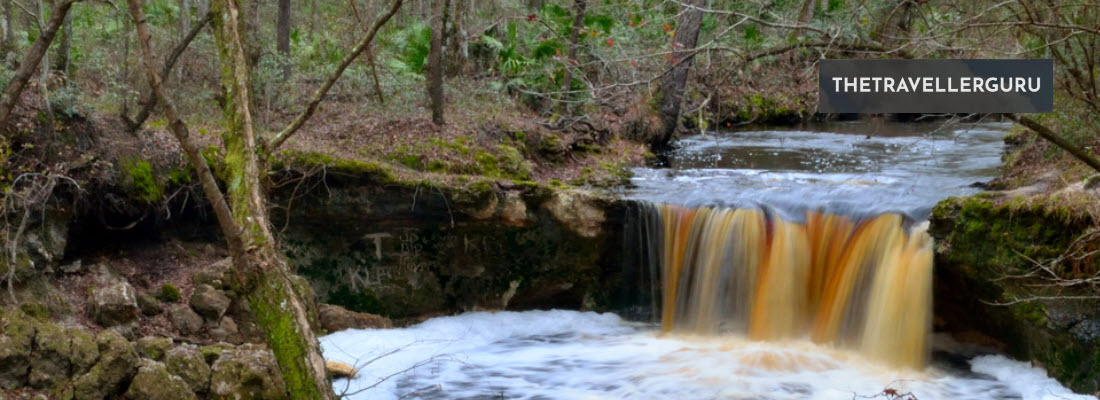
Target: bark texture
(435, 63)
(672, 85)
(32, 59)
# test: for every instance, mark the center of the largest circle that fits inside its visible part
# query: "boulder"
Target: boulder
(216, 275)
(226, 331)
(15, 348)
(149, 305)
(83, 350)
(154, 347)
(116, 364)
(114, 303)
(184, 319)
(50, 359)
(154, 382)
(187, 362)
(335, 318)
(209, 302)
(248, 372)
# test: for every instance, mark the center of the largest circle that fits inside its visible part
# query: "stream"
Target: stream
(855, 170)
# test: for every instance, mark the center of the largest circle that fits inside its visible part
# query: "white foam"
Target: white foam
(585, 355)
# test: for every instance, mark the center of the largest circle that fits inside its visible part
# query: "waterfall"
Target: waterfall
(864, 284)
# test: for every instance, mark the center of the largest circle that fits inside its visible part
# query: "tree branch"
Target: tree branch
(32, 59)
(179, 129)
(149, 100)
(319, 95)
(1048, 134)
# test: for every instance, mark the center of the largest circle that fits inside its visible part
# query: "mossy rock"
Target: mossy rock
(116, 365)
(154, 382)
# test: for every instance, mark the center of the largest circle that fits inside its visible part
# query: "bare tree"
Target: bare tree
(435, 62)
(149, 100)
(672, 85)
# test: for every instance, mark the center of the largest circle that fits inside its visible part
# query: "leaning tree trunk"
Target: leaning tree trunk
(32, 59)
(435, 63)
(672, 86)
(261, 271)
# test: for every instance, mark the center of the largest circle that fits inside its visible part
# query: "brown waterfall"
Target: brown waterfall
(864, 284)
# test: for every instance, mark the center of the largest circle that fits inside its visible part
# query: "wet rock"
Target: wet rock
(247, 372)
(15, 349)
(336, 369)
(335, 318)
(186, 362)
(154, 382)
(184, 319)
(149, 305)
(209, 302)
(117, 363)
(578, 211)
(114, 303)
(154, 347)
(50, 359)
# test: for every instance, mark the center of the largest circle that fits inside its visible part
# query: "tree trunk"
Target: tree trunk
(64, 50)
(283, 30)
(804, 16)
(32, 59)
(672, 85)
(571, 59)
(185, 18)
(6, 30)
(456, 38)
(261, 272)
(435, 63)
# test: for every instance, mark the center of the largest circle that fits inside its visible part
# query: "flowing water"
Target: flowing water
(781, 265)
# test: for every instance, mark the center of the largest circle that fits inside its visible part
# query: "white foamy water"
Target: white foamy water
(585, 355)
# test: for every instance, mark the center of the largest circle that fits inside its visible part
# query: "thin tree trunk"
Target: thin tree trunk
(6, 30)
(456, 38)
(672, 86)
(64, 50)
(370, 54)
(283, 33)
(804, 16)
(185, 18)
(32, 59)
(44, 72)
(571, 59)
(435, 64)
(149, 100)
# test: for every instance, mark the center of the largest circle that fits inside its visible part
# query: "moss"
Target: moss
(268, 303)
(36, 310)
(372, 171)
(169, 293)
(140, 180)
(211, 353)
(512, 162)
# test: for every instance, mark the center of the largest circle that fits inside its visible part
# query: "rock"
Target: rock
(154, 382)
(216, 275)
(128, 331)
(577, 211)
(338, 369)
(154, 347)
(114, 303)
(187, 362)
(209, 302)
(226, 331)
(184, 319)
(50, 358)
(515, 210)
(247, 372)
(335, 318)
(149, 305)
(15, 349)
(83, 350)
(116, 364)
(213, 352)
